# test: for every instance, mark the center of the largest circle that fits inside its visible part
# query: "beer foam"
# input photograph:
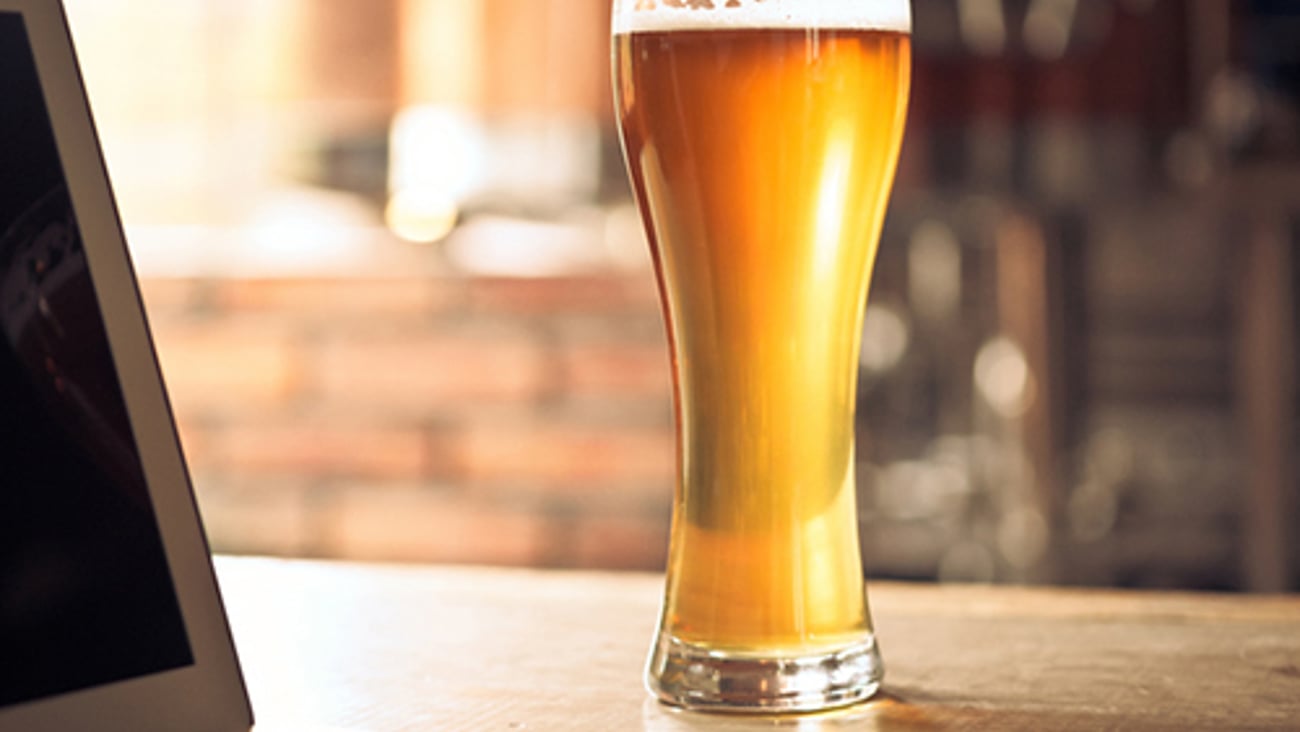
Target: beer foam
(639, 16)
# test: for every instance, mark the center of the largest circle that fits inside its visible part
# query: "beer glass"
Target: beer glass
(761, 137)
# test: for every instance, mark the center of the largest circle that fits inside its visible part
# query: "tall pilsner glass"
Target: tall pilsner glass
(762, 138)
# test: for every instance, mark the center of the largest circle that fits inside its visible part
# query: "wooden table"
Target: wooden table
(364, 647)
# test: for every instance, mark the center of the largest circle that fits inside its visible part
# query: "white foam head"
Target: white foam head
(638, 16)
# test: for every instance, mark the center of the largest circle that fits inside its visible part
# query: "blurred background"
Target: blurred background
(404, 308)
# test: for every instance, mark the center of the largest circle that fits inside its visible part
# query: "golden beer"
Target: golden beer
(761, 159)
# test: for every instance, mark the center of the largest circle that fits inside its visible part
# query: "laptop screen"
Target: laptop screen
(86, 596)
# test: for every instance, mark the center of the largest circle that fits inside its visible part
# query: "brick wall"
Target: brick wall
(416, 418)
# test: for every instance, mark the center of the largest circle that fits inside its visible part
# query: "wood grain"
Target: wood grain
(370, 647)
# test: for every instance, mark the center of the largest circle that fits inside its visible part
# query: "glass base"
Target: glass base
(695, 677)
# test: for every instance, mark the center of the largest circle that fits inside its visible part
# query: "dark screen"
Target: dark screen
(86, 596)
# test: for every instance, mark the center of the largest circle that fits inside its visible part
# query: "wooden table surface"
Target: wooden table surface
(331, 646)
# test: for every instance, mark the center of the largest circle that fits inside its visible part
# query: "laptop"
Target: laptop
(110, 618)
